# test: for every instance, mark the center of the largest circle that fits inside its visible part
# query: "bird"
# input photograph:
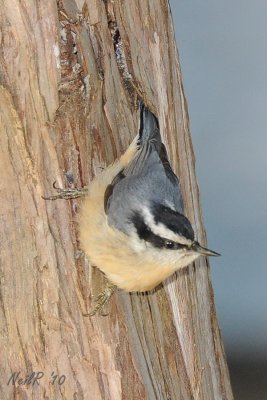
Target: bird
(132, 224)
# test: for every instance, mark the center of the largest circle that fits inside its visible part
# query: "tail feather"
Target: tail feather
(149, 126)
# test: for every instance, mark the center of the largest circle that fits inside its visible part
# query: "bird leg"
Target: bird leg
(67, 193)
(104, 297)
(102, 300)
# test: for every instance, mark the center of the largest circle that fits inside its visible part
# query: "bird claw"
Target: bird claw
(101, 300)
(67, 193)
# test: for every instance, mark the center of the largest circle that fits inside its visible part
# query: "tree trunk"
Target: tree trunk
(71, 73)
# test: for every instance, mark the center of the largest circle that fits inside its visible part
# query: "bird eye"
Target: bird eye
(169, 244)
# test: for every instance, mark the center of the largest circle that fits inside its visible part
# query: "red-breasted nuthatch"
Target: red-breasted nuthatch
(132, 224)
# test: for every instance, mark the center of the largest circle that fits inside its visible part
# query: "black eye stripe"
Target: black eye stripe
(146, 234)
(170, 245)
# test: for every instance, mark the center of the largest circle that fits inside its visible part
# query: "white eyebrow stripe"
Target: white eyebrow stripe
(161, 230)
(170, 205)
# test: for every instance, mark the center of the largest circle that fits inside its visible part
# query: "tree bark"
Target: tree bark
(71, 73)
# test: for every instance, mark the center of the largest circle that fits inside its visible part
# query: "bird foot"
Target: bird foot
(102, 300)
(67, 193)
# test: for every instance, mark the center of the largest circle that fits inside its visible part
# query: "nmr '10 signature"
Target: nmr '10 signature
(34, 378)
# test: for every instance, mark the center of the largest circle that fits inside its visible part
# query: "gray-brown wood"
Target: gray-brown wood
(71, 72)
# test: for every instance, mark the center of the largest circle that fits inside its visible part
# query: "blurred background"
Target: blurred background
(223, 54)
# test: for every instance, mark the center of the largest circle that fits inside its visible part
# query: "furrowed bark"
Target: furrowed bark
(71, 74)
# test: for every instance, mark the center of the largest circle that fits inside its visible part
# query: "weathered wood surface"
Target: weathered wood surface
(70, 75)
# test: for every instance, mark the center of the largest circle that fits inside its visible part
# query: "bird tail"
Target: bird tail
(149, 126)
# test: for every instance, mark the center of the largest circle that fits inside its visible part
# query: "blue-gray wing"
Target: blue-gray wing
(148, 178)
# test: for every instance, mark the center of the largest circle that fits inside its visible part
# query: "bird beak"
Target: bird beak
(202, 250)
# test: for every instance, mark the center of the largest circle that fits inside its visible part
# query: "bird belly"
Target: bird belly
(110, 250)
